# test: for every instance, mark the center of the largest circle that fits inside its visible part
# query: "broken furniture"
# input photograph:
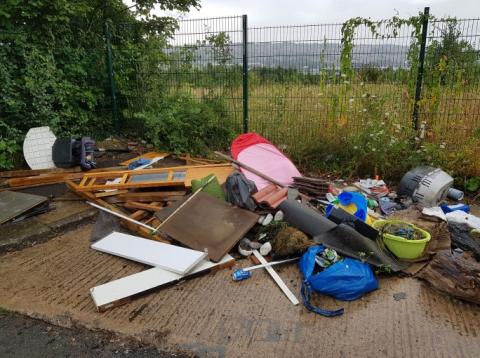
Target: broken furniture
(150, 178)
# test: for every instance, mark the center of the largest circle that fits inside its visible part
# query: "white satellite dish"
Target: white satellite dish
(37, 148)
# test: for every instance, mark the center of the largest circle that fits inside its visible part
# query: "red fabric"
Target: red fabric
(244, 141)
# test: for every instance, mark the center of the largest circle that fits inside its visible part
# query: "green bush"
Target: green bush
(183, 124)
(9, 138)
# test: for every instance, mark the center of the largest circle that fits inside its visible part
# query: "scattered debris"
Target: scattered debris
(267, 209)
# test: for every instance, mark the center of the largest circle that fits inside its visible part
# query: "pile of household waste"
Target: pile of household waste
(254, 203)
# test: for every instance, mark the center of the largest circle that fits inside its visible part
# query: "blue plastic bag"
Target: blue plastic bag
(345, 280)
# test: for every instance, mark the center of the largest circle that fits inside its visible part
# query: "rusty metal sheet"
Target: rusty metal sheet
(207, 223)
(13, 204)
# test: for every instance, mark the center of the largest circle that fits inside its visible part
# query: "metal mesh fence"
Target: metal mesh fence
(303, 88)
(299, 95)
(450, 104)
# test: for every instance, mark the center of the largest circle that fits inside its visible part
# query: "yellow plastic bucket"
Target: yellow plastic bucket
(400, 247)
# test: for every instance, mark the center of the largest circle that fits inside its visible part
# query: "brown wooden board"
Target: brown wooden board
(31, 172)
(142, 206)
(148, 196)
(211, 224)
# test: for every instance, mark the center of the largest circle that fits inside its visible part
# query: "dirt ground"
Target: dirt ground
(211, 316)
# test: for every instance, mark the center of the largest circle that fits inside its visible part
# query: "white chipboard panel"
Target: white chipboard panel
(108, 294)
(169, 257)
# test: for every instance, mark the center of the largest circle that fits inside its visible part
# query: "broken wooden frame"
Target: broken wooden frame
(155, 177)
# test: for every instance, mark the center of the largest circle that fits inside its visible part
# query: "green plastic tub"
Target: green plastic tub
(400, 247)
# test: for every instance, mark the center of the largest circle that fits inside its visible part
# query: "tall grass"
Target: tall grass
(364, 129)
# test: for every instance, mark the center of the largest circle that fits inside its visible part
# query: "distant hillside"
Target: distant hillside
(310, 56)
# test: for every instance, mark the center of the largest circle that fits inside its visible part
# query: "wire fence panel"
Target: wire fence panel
(450, 106)
(299, 94)
(314, 84)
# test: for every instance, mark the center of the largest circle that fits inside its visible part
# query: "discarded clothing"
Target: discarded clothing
(239, 191)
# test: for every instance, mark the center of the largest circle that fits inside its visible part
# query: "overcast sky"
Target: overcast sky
(286, 12)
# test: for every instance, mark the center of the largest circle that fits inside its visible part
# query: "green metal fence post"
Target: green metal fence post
(111, 79)
(421, 61)
(245, 73)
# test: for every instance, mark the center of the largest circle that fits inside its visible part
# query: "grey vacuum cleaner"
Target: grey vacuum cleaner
(428, 186)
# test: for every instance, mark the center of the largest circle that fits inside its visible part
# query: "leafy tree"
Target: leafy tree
(52, 62)
(452, 59)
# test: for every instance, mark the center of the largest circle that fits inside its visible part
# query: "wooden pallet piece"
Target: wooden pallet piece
(131, 226)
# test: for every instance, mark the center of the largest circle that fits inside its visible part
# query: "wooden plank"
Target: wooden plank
(110, 193)
(118, 292)
(43, 179)
(149, 156)
(142, 206)
(169, 257)
(118, 173)
(193, 160)
(148, 196)
(32, 172)
(277, 279)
